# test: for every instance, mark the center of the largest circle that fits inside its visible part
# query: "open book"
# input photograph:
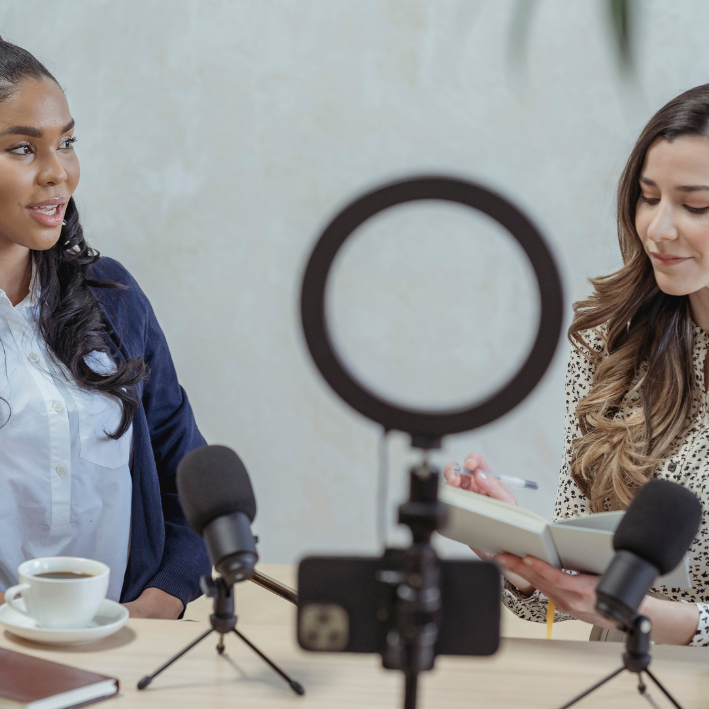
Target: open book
(579, 543)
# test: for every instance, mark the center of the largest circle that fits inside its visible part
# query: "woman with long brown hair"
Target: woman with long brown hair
(636, 386)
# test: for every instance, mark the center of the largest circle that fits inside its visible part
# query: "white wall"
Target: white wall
(218, 137)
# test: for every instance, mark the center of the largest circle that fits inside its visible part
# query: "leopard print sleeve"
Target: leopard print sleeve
(570, 501)
(701, 637)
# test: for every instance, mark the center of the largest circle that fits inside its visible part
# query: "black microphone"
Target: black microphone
(651, 539)
(219, 504)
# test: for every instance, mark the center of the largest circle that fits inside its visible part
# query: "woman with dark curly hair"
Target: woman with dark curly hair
(636, 388)
(93, 421)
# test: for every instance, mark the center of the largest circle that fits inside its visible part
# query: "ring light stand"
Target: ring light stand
(410, 644)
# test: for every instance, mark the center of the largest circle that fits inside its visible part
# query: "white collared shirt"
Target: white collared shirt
(65, 486)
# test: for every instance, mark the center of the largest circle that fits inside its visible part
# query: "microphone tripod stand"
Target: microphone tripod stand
(223, 621)
(636, 658)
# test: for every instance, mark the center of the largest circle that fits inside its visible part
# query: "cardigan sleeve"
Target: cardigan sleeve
(570, 501)
(173, 433)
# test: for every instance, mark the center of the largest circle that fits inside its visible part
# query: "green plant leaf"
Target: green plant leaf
(518, 42)
(621, 15)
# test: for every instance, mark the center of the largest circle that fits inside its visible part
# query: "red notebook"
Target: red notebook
(27, 682)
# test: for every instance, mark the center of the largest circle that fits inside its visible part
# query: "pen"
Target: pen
(507, 479)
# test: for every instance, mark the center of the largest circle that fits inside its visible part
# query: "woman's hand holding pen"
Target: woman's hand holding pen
(478, 482)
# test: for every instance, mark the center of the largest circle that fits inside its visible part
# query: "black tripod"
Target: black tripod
(636, 658)
(223, 621)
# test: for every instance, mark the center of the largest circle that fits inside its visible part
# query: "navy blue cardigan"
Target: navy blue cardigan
(164, 552)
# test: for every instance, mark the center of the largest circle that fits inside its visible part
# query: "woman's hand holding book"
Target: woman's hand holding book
(491, 487)
(574, 594)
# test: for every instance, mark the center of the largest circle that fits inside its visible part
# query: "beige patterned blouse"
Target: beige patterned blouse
(686, 464)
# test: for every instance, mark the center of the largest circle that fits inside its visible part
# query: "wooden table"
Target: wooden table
(525, 672)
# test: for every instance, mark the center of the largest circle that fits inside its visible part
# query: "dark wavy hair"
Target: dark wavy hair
(70, 318)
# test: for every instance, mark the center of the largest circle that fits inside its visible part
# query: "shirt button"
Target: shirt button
(672, 467)
(34, 358)
(61, 469)
(58, 406)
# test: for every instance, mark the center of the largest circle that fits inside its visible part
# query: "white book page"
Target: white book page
(482, 504)
(586, 544)
(679, 578)
(494, 527)
(76, 697)
(605, 521)
(586, 550)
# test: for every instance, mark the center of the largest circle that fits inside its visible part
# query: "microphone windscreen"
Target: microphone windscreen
(213, 482)
(660, 524)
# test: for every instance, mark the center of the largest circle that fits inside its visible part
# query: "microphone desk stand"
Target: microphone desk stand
(223, 621)
(636, 658)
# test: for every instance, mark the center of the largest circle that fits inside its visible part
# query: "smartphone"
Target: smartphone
(348, 604)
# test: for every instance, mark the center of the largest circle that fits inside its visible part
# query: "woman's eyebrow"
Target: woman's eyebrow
(692, 188)
(680, 188)
(31, 131)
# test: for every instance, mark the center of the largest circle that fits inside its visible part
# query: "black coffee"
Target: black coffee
(63, 575)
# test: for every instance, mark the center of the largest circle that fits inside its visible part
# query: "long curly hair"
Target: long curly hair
(640, 400)
(70, 318)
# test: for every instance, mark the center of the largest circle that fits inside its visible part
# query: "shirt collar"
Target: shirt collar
(32, 298)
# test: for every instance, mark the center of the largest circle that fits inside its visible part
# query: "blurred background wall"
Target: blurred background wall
(217, 138)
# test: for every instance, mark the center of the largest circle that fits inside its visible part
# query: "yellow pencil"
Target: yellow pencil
(550, 617)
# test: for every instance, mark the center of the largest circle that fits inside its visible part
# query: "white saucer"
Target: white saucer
(111, 616)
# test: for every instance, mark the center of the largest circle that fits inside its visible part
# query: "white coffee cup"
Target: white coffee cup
(60, 602)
